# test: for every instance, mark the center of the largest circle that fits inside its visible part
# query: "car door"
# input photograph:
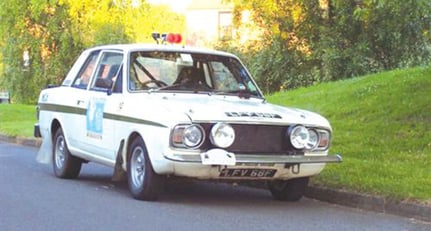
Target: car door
(104, 100)
(75, 101)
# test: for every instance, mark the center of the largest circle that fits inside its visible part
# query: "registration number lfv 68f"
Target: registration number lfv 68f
(246, 172)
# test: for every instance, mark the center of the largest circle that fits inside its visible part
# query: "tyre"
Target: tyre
(290, 190)
(64, 164)
(144, 183)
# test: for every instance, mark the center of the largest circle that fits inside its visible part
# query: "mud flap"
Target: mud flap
(119, 173)
(44, 155)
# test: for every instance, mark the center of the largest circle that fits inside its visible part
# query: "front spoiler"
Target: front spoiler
(265, 159)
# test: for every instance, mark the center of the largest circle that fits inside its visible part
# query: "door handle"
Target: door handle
(79, 102)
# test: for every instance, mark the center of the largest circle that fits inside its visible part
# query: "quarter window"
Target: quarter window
(86, 72)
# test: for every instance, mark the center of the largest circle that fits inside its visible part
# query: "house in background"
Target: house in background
(208, 21)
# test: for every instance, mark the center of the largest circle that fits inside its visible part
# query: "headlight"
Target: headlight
(222, 135)
(299, 137)
(190, 136)
(303, 138)
(313, 139)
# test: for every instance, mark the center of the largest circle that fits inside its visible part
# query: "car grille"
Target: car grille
(256, 139)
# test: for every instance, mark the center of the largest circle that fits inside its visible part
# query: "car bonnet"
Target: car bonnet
(219, 108)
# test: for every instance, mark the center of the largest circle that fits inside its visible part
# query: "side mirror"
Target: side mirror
(51, 86)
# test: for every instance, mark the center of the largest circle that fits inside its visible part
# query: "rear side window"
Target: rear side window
(83, 78)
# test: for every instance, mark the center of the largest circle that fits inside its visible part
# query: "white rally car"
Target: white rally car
(155, 111)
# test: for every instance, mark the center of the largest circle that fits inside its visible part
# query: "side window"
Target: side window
(84, 76)
(107, 70)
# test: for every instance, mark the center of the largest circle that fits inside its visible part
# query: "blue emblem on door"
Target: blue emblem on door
(95, 118)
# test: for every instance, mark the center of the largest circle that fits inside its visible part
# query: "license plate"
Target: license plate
(247, 172)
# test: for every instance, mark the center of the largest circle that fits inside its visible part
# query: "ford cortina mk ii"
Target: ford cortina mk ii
(156, 111)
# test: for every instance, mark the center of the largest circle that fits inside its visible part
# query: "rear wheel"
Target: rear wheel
(144, 183)
(290, 190)
(64, 164)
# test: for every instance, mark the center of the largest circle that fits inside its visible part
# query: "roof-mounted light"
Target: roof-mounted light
(173, 38)
(170, 38)
(156, 37)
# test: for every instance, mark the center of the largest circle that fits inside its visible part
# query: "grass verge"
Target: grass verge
(17, 119)
(382, 126)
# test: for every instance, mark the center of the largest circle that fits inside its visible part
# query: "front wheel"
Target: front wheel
(144, 183)
(64, 164)
(290, 190)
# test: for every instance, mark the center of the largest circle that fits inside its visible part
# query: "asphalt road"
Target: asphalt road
(31, 198)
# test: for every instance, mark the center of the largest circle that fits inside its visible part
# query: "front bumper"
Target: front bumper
(283, 167)
(265, 159)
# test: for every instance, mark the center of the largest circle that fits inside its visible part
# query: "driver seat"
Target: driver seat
(191, 77)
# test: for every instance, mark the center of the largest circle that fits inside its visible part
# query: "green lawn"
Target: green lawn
(17, 119)
(382, 127)
(381, 123)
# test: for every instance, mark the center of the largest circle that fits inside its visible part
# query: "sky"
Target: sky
(176, 5)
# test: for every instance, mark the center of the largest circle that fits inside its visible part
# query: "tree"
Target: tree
(309, 41)
(40, 30)
(397, 32)
(52, 33)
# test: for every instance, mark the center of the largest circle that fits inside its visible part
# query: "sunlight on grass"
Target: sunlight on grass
(382, 127)
(17, 119)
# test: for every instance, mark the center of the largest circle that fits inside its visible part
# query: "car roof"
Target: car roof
(160, 47)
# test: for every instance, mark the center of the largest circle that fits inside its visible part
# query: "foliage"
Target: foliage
(54, 32)
(40, 29)
(106, 21)
(305, 42)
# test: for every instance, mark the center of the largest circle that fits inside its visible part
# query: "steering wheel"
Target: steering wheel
(159, 83)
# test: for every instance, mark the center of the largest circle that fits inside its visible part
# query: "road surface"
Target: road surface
(31, 198)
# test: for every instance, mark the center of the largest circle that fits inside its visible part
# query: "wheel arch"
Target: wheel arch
(126, 153)
(130, 139)
(55, 124)
(122, 157)
(154, 147)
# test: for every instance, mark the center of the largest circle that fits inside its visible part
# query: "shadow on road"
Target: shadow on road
(178, 190)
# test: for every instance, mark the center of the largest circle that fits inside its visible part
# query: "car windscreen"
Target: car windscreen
(189, 72)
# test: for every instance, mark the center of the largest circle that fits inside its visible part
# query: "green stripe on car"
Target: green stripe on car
(82, 111)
